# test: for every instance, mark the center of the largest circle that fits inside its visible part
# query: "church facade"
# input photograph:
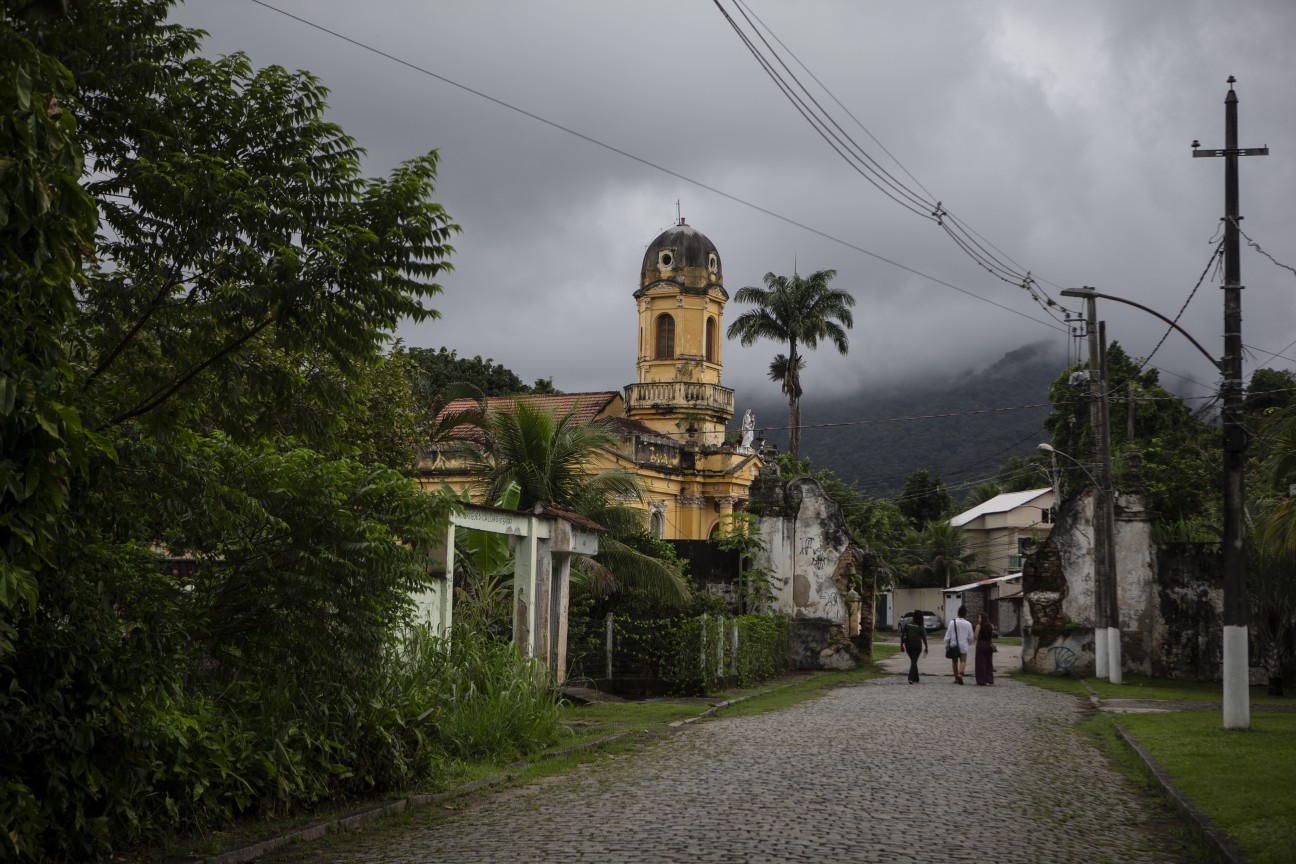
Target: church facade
(670, 424)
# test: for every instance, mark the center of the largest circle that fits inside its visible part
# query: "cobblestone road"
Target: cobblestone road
(883, 772)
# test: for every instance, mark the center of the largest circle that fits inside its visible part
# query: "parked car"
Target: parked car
(931, 621)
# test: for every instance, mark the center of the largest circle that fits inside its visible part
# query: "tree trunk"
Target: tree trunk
(794, 426)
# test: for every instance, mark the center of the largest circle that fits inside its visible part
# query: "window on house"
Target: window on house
(665, 338)
(711, 340)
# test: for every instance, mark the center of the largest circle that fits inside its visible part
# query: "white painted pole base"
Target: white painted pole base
(1114, 655)
(1237, 675)
(1100, 652)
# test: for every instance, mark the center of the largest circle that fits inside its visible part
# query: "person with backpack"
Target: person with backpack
(913, 640)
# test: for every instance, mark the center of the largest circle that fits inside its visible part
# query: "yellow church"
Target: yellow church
(670, 424)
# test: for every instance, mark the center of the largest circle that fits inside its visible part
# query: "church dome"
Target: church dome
(681, 254)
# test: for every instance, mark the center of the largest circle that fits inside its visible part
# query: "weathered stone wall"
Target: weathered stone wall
(813, 562)
(1188, 612)
(1009, 616)
(974, 601)
(1057, 635)
(1170, 598)
(1136, 582)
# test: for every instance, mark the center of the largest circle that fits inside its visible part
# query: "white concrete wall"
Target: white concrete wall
(1136, 584)
(802, 556)
(1076, 549)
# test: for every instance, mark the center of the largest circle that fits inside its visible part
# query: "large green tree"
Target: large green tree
(801, 312)
(443, 370)
(227, 554)
(47, 224)
(1180, 453)
(924, 499)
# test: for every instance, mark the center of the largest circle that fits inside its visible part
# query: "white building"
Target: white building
(1000, 530)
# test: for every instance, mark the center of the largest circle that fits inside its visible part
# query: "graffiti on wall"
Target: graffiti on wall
(1064, 659)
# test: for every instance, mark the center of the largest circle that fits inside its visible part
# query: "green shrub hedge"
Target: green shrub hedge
(702, 654)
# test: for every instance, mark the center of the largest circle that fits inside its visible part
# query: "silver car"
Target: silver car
(931, 621)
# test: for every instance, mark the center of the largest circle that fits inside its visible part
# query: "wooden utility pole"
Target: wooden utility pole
(1101, 477)
(1109, 518)
(1129, 411)
(1237, 699)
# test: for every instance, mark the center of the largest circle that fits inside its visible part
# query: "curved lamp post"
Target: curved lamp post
(1046, 447)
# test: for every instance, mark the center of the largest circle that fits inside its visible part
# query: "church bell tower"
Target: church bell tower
(681, 300)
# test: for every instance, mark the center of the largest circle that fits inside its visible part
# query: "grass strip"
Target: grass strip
(1241, 779)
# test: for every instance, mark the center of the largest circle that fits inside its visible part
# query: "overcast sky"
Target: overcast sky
(1060, 132)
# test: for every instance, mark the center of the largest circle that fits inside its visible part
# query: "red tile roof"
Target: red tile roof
(587, 406)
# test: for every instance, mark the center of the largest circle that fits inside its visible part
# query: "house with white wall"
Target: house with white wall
(1000, 530)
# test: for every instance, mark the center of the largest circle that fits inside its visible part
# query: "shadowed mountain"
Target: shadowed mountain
(962, 428)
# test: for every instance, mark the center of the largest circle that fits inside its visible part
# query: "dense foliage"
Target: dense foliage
(1271, 484)
(698, 654)
(549, 459)
(924, 499)
(1180, 452)
(207, 551)
(936, 556)
(47, 225)
(443, 370)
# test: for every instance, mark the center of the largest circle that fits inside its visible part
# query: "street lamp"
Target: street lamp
(1237, 698)
(1046, 447)
(1107, 630)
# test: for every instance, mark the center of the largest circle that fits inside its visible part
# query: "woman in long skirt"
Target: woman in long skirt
(913, 639)
(984, 651)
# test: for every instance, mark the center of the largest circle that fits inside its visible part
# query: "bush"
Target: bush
(697, 654)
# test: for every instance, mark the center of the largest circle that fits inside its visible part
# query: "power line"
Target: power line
(1215, 256)
(969, 242)
(642, 161)
(1272, 354)
(1256, 246)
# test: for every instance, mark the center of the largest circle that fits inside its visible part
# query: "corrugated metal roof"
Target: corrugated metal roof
(999, 504)
(959, 589)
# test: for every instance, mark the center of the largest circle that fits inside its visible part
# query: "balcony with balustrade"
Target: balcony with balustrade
(679, 397)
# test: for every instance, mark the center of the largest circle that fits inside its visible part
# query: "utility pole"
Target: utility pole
(1100, 475)
(1237, 699)
(1129, 411)
(1109, 518)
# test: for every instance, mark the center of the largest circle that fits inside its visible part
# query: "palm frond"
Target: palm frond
(630, 568)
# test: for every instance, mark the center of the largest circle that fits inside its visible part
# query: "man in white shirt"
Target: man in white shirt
(958, 635)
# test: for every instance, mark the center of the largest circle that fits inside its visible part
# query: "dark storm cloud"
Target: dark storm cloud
(1058, 131)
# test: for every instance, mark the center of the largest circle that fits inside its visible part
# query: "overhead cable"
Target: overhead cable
(655, 166)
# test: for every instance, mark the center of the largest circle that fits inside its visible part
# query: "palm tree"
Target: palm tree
(799, 311)
(936, 556)
(982, 493)
(1278, 534)
(547, 458)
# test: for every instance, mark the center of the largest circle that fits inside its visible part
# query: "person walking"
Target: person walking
(984, 651)
(958, 641)
(913, 640)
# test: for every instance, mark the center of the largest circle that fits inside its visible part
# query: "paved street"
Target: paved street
(883, 772)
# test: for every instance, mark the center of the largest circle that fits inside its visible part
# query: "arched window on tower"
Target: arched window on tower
(711, 341)
(665, 338)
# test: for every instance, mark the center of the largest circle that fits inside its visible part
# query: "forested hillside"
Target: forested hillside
(877, 450)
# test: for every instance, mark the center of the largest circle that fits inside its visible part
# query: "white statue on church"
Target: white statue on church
(748, 430)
